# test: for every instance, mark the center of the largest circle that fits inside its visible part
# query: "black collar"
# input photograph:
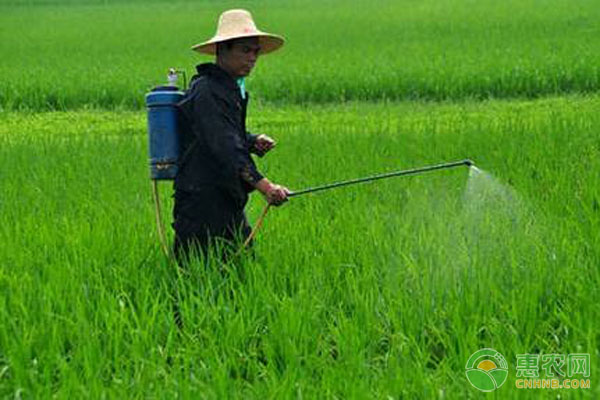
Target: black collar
(218, 73)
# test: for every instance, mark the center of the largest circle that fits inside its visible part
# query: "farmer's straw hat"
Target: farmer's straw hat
(234, 24)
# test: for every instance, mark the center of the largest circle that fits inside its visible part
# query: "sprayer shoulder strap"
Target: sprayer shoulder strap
(185, 120)
(183, 158)
(181, 161)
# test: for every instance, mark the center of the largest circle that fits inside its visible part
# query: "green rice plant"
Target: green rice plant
(378, 290)
(66, 54)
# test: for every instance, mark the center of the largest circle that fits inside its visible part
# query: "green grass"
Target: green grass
(382, 290)
(372, 291)
(65, 54)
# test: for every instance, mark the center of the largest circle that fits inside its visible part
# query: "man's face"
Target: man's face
(240, 58)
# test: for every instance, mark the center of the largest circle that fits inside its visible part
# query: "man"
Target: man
(216, 171)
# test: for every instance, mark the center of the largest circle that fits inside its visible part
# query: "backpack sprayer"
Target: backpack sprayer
(163, 139)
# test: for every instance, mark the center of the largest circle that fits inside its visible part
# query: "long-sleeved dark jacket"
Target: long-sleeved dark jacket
(215, 147)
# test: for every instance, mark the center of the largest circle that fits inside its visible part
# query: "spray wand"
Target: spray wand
(371, 178)
(415, 171)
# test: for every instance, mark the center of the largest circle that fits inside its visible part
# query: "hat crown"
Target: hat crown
(234, 22)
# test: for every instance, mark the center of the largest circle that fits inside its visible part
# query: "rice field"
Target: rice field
(61, 54)
(380, 290)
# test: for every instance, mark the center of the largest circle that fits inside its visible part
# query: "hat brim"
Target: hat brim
(268, 42)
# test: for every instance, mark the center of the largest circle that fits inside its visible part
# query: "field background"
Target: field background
(74, 54)
(377, 291)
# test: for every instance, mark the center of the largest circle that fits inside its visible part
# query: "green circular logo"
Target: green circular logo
(486, 370)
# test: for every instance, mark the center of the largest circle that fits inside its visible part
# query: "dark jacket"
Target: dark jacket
(215, 147)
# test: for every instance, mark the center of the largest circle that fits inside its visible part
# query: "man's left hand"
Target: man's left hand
(263, 144)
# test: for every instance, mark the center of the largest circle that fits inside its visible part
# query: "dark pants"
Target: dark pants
(207, 217)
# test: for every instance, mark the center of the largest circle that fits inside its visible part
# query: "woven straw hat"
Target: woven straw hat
(234, 24)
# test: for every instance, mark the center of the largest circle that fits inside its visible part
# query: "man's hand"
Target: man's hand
(275, 195)
(263, 144)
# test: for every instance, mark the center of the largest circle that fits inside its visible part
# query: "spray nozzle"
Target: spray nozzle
(468, 163)
(172, 77)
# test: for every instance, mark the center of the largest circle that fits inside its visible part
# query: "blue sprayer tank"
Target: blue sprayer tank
(163, 137)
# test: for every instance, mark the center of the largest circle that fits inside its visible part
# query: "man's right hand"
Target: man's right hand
(274, 194)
